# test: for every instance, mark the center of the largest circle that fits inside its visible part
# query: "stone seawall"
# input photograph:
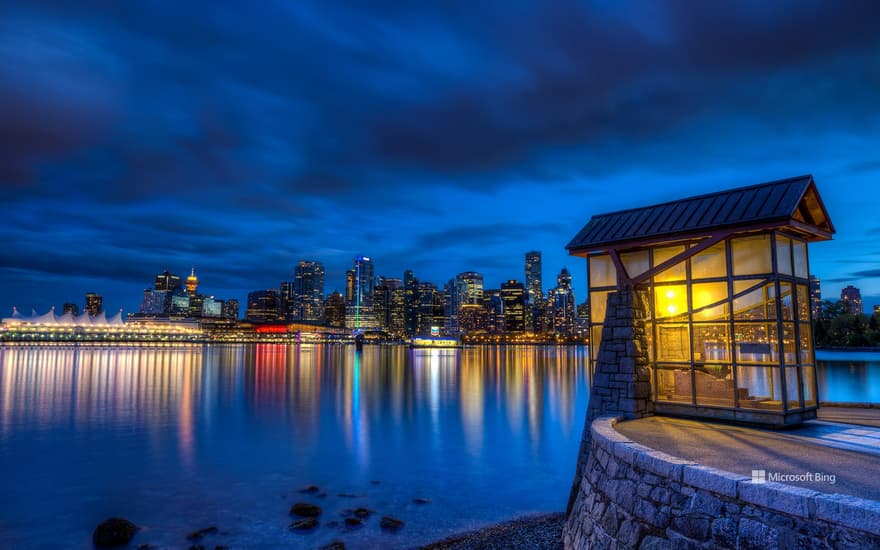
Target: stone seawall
(631, 496)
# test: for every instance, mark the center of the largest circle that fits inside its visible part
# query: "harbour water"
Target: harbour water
(178, 439)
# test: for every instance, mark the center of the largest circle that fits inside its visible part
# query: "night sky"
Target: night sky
(179, 134)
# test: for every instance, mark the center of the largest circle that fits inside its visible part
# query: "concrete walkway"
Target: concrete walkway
(849, 453)
(851, 415)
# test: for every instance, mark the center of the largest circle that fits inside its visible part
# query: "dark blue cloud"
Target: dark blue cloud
(140, 136)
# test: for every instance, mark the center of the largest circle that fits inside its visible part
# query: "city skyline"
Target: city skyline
(144, 138)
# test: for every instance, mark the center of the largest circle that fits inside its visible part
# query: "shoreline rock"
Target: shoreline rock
(541, 532)
(113, 532)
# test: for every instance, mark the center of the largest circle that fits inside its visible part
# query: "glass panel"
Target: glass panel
(803, 303)
(673, 342)
(751, 255)
(756, 305)
(674, 273)
(709, 263)
(800, 259)
(635, 263)
(756, 343)
(670, 301)
(786, 297)
(602, 272)
(809, 376)
(792, 395)
(789, 344)
(759, 388)
(714, 385)
(598, 301)
(704, 294)
(674, 383)
(806, 344)
(711, 343)
(595, 340)
(783, 254)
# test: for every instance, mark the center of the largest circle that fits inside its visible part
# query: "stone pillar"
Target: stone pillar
(621, 382)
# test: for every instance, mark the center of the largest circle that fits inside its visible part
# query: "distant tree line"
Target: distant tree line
(835, 327)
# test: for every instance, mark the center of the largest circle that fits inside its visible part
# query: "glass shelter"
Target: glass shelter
(724, 283)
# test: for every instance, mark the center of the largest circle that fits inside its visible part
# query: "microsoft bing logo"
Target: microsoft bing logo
(759, 476)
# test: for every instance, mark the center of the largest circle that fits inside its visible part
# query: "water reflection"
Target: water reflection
(849, 377)
(145, 431)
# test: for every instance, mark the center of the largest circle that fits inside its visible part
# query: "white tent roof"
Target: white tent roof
(49, 318)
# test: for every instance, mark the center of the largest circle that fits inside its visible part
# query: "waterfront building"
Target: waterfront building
(211, 307)
(288, 301)
(73, 309)
(472, 319)
(725, 283)
(382, 305)
(192, 282)
(431, 313)
(513, 300)
(94, 304)
(308, 291)
(852, 300)
(877, 309)
(230, 309)
(153, 302)
(167, 282)
(815, 297)
(533, 277)
(467, 289)
(263, 306)
(561, 305)
(179, 303)
(334, 310)
(494, 307)
(411, 303)
(360, 285)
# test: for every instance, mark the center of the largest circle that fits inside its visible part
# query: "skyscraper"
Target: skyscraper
(533, 277)
(562, 305)
(411, 303)
(467, 289)
(308, 290)
(360, 285)
(513, 299)
(230, 309)
(167, 282)
(852, 300)
(263, 305)
(94, 303)
(334, 310)
(287, 298)
(815, 297)
(73, 309)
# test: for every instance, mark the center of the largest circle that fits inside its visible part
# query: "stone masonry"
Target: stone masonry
(632, 496)
(621, 382)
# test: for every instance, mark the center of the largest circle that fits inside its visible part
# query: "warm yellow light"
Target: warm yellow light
(670, 294)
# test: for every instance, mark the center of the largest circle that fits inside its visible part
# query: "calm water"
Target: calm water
(179, 439)
(849, 376)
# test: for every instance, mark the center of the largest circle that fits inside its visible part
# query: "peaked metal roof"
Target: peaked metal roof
(793, 201)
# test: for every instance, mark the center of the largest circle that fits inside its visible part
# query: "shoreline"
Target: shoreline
(536, 532)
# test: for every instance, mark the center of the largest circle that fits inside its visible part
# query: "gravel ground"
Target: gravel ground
(542, 532)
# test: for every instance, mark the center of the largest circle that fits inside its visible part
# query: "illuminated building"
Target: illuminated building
(167, 282)
(513, 300)
(815, 297)
(308, 291)
(211, 307)
(472, 318)
(94, 304)
(180, 304)
(359, 288)
(467, 289)
(534, 285)
(725, 284)
(397, 313)
(494, 308)
(230, 309)
(561, 305)
(263, 306)
(192, 282)
(430, 308)
(852, 300)
(288, 300)
(153, 302)
(334, 310)
(411, 303)
(877, 309)
(73, 309)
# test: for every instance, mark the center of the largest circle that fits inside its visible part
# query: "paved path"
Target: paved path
(850, 453)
